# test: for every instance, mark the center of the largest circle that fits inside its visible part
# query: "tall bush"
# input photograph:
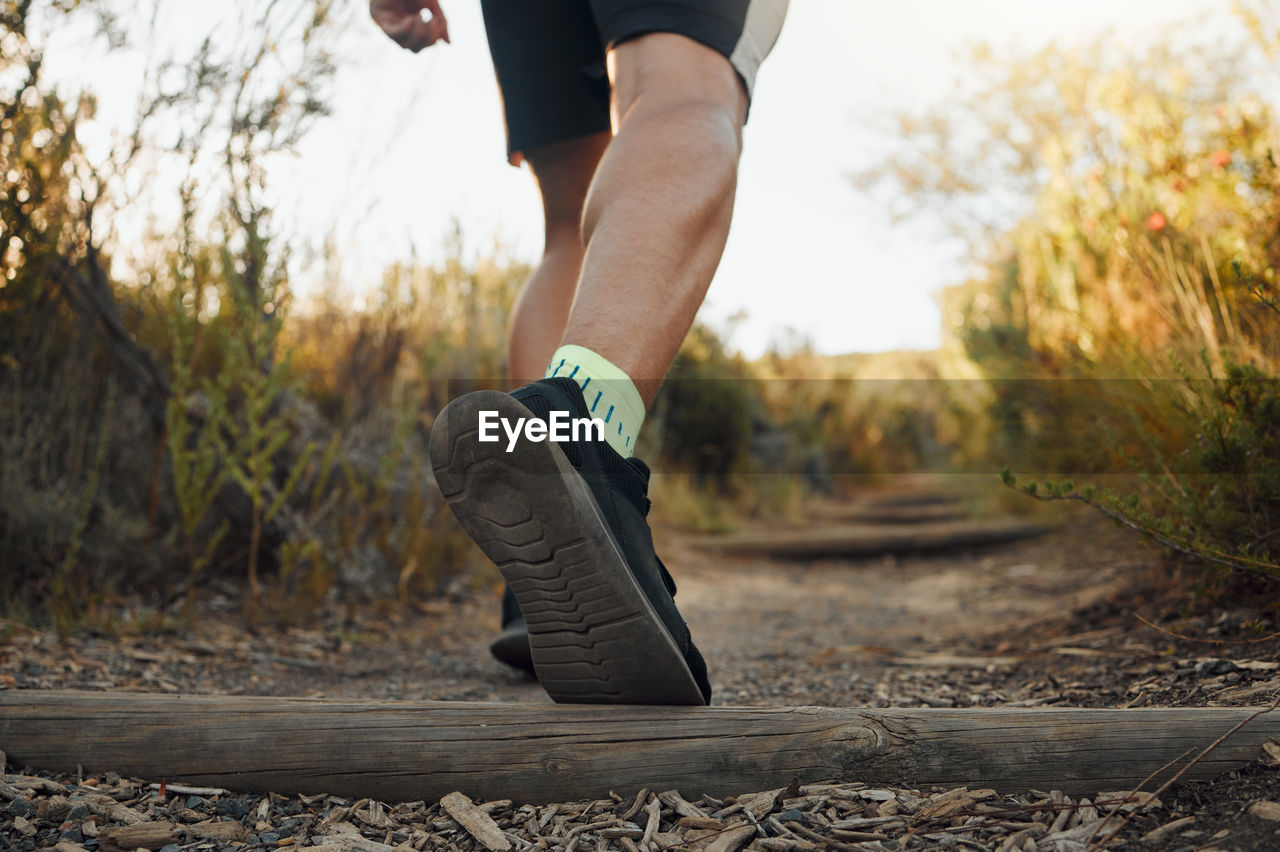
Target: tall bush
(1124, 315)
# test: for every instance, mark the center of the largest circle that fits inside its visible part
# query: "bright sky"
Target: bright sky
(416, 142)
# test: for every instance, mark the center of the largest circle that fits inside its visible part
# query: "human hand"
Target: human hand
(402, 21)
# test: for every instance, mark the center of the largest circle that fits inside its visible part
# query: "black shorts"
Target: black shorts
(549, 55)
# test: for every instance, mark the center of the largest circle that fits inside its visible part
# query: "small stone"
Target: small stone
(194, 802)
(21, 807)
(233, 808)
(792, 815)
(268, 837)
(79, 810)
(1215, 667)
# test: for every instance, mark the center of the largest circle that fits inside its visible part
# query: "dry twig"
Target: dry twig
(1206, 640)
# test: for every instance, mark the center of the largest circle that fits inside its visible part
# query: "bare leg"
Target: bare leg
(658, 212)
(563, 171)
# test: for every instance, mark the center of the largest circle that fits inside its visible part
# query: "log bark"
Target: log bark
(862, 540)
(402, 751)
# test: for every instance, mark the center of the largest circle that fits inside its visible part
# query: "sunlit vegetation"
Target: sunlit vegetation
(173, 421)
(1124, 208)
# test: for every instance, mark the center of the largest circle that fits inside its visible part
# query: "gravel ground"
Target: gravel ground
(110, 813)
(1054, 621)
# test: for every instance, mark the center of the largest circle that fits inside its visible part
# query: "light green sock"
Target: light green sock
(609, 392)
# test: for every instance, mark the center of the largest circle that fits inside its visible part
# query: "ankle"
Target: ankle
(608, 392)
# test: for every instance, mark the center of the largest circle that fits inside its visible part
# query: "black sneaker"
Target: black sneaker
(512, 645)
(565, 523)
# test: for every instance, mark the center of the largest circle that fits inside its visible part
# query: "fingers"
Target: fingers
(402, 21)
(416, 35)
(438, 23)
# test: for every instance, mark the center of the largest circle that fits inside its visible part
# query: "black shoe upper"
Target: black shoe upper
(620, 487)
(510, 608)
(512, 645)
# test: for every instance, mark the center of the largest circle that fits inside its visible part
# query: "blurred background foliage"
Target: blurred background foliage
(1137, 293)
(172, 420)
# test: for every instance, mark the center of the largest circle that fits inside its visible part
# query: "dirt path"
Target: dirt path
(1043, 621)
(838, 632)
(1040, 621)
(830, 631)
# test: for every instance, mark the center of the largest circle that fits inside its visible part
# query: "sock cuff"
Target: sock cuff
(600, 369)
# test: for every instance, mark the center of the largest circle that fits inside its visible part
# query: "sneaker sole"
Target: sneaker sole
(593, 634)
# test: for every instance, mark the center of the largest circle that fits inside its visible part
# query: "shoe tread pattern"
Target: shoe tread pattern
(593, 635)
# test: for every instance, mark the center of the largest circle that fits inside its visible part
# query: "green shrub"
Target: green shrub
(703, 416)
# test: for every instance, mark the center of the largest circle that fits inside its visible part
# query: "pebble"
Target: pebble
(1215, 667)
(233, 808)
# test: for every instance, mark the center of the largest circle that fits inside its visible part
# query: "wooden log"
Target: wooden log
(884, 509)
(923, 498)
(864, 540)
(402, 751)
(889, 514)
